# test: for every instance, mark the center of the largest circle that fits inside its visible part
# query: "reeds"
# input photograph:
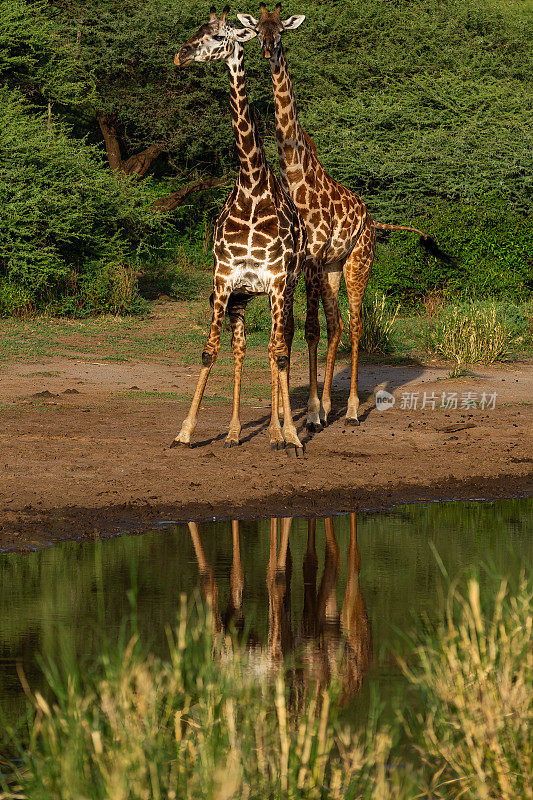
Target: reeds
(475, 676)
(199, 724)
(202, 723)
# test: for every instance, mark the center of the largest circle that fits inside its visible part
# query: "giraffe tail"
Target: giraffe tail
(427, 242)
(237, 300)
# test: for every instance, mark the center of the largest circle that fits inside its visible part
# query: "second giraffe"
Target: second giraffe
(341, 233)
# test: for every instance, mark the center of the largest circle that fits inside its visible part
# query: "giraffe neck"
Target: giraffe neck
(289, 133)
(249, 147)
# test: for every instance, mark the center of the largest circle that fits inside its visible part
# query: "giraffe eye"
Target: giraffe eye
(219, 38)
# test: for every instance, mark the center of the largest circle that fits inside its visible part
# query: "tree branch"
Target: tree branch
(172, 201)
(109, 128)
(140, 163)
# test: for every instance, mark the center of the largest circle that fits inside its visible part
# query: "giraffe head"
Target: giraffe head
(269, 27)
(214, 41)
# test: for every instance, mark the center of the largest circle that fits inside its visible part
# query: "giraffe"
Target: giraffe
(259, 246)
(341, 233)
(330, 643)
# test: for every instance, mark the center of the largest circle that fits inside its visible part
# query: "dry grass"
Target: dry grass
(200, 724)
(476, 680)
(123, 287)
(203, 723)
(378, 323)
(474, 333)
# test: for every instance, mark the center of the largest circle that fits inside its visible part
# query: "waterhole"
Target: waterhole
(336, 594)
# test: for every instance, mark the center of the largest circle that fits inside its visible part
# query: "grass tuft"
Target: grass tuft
(475, 677)
(378, 323)
(471, 333)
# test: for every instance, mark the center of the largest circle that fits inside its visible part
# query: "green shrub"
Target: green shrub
(67, 226)
(491, 250)
(15, 301)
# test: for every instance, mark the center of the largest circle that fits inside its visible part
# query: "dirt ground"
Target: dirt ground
(85, 446)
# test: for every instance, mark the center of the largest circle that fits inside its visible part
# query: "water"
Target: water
(336, 591)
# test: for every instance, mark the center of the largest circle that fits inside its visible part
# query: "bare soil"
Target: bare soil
(85, 446)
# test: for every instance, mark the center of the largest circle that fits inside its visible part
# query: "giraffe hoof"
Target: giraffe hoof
(314, 427)
(277, 445)
(177, 443)
(352, 421)
(294, 451)
(231, 443)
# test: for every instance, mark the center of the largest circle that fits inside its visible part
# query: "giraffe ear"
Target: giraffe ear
(244, 34)
(291, 23)
(247, 20)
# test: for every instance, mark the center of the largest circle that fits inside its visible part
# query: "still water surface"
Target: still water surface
(340, 591)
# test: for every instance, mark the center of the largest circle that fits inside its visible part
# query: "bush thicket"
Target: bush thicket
(70, 230)
(490, 247)
(424, 109)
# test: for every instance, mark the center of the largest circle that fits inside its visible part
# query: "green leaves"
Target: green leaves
(491, 246)
(65, 220)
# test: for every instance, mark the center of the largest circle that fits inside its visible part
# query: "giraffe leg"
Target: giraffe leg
(238, 345)
(312, 336)
(236, 583)
(277, 442)
(279, 359)
(354, 621)
(288, 332)
(278, 584)
(356, 274)
(237, 572)
(207, 579)
(310, 570)
(209, 355)
(329, 290)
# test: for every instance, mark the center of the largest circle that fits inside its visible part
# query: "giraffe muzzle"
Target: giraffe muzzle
(183, 58)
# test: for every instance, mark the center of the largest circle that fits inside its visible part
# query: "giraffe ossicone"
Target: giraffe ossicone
(259, 245)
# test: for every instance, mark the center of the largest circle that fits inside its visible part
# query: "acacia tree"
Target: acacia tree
(149, 116)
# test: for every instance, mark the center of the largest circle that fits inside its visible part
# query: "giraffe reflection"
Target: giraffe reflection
(327, 642)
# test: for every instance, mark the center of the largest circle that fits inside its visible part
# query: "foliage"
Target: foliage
(411, 101)
(490, 248)
(35, 58)
(408, 105)
(70, 231)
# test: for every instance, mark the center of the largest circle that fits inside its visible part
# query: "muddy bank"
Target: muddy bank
(85, 459)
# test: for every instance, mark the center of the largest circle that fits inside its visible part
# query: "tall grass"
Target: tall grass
(471, 333)
(476, 682)
(200, 724)
(378, 323)
(207, 723)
